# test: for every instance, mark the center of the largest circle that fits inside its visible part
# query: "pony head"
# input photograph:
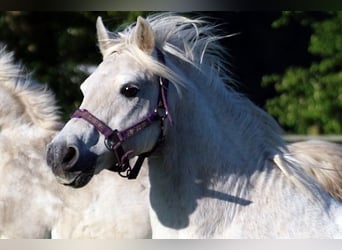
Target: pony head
(122, 91)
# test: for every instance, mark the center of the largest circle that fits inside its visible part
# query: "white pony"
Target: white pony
(32, 203)
(218, 166)
(29, 111)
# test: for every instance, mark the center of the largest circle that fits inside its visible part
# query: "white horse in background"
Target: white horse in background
(218, 166)
(32, 203)
(323, 161)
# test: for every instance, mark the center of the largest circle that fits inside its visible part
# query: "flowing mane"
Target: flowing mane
(43, 111)
(191, 41)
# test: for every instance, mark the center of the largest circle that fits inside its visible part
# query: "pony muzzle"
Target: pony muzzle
(70, 164)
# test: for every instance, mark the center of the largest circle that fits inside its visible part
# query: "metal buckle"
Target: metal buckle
(109, 144)
(161, 111)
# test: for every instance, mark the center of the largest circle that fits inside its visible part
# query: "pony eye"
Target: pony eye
(129, 91)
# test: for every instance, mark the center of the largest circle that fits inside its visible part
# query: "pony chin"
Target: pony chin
(76, 181)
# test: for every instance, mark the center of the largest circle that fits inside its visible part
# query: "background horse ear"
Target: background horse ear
(143, 35)
(102, 36)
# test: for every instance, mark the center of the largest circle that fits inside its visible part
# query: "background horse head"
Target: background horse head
(32, 203)
(218, 165)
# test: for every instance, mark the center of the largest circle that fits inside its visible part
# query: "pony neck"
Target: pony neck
(220, 129)
(218, 142)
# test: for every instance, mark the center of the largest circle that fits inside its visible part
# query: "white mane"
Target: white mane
(26, 94)
(197, 46)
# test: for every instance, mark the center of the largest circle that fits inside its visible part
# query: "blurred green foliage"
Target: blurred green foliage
(309, 99)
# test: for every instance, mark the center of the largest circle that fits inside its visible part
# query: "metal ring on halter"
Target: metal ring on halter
(109, 144)
(162, 113)
(122, 164)
(127, 172)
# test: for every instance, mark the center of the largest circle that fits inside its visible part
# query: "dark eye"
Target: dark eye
(129, 90)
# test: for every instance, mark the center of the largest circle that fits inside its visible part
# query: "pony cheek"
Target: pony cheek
(144, 141)
(105, 160)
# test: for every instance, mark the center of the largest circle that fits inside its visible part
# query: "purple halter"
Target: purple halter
(115, 138)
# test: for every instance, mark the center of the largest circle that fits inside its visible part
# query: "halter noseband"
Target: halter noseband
(115, 138)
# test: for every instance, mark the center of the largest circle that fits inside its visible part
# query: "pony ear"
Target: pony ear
(102, 36)
(143, 35)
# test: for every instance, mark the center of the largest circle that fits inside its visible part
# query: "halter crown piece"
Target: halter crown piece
(115, 138)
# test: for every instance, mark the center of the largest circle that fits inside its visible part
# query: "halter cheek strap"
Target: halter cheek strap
(115, 138)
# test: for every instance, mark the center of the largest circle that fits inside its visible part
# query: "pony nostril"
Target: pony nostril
(66, 160)
(70, 156)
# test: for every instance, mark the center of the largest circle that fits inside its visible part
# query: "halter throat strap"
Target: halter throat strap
(115, 138)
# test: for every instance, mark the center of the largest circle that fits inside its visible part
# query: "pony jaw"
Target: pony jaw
(76, 181)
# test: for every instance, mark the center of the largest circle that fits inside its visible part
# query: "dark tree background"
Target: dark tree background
(59, 47)
(309, 98)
